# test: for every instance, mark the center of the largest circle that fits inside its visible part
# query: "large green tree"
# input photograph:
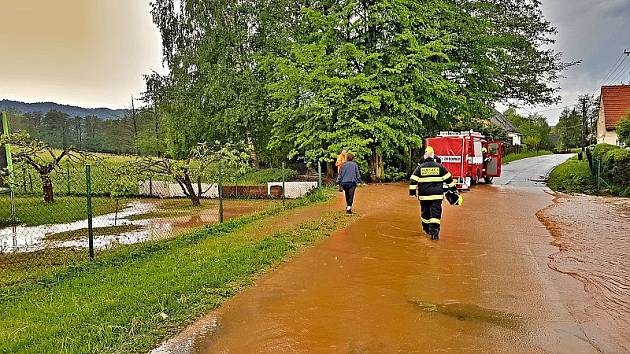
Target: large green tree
(376, 76)
(569, 129)
(307, 78)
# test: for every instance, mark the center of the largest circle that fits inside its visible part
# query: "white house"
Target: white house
(615, 105)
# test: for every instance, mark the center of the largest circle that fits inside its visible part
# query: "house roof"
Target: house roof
(501, 121)
(615, 103)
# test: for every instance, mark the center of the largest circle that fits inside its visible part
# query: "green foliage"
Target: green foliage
(572, 176)
(119, 136)
(623, 130)
(600, 150)
(523, 155)
(307, 79)
(257, 177)
(569, 130)
(535, 130)
(616, 167)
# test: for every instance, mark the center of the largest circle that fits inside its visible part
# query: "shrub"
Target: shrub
(616, 167)
(623, 130)
(600, 151)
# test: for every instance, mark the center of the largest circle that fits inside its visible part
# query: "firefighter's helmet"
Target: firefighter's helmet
(454, 198)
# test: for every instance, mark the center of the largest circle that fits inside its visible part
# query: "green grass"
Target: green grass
(32, 211)
(82, 234)
(523, 155)
(259, 177)
(572, 176)
(129, 301)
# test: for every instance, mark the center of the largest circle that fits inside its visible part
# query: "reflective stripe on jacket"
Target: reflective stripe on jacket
(427, 181)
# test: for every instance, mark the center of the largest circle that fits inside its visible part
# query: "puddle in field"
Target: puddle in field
(593, 235)
(22, 239)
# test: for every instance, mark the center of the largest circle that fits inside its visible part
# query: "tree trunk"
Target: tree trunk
(377, 167)
(192, 195)
(253, 156)
(47, 187)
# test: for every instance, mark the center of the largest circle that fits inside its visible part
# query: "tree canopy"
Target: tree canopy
(307, 78)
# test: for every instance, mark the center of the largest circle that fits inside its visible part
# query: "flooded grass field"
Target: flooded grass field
(27, 251)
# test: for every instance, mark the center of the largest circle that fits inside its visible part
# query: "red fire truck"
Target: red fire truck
(463, 155)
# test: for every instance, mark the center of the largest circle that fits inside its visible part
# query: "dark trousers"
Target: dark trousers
(431, 212)
(349, 189)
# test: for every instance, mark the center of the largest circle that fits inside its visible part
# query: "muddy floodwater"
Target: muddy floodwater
(381, 285)
(593, 237)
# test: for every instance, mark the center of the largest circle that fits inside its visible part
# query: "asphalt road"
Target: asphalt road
(531, 172)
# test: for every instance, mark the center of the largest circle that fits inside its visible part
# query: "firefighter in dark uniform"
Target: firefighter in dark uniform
(427, 183)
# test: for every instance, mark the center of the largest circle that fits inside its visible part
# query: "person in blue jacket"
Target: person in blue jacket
(349, 178)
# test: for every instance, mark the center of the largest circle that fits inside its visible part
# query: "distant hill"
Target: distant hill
(72, 111)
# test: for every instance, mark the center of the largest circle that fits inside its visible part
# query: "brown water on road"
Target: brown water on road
(593, 235)
(381, 285)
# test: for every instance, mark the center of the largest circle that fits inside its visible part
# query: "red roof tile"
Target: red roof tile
(616, 104)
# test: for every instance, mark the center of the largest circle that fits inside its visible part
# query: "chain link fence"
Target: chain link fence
(79, 211)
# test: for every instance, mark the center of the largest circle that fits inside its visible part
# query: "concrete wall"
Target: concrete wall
(164, 189)
(294, 190)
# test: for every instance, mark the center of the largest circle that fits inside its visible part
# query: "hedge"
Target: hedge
(615, 164)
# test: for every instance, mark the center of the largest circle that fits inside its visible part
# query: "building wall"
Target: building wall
(605, 136)
(610, 137)
(516, 139)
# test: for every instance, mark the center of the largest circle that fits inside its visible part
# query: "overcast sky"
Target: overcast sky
(94, 53)
(90, 53)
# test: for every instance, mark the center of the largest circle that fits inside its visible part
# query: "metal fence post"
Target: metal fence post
(319, 174)
(68, 176)
(599, 175)
(220, 186)
(283, 186)
(88, 190)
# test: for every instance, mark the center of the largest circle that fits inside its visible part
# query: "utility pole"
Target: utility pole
(584, 100)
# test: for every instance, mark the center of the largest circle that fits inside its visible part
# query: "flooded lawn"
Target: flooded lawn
(593, 235)
(137, 221)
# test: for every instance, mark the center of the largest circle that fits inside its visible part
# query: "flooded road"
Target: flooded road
(517, 269)
(594, 247)
(380, 285)
(530, 172)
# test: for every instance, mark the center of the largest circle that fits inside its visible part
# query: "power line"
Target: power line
(621, 73)
(615, 66)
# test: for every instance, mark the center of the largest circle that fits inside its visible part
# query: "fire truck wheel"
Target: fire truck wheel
(488, 180)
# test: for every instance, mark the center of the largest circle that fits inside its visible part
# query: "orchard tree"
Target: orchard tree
(40, 156)
(202, 164)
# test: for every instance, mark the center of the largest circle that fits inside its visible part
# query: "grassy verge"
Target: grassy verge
(132, 298)
(32, 211)
(572, 176)
(523, 155)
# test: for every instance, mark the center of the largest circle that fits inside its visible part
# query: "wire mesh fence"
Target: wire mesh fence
(77, 211)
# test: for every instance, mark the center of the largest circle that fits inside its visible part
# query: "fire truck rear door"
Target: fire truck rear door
(494, 165)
